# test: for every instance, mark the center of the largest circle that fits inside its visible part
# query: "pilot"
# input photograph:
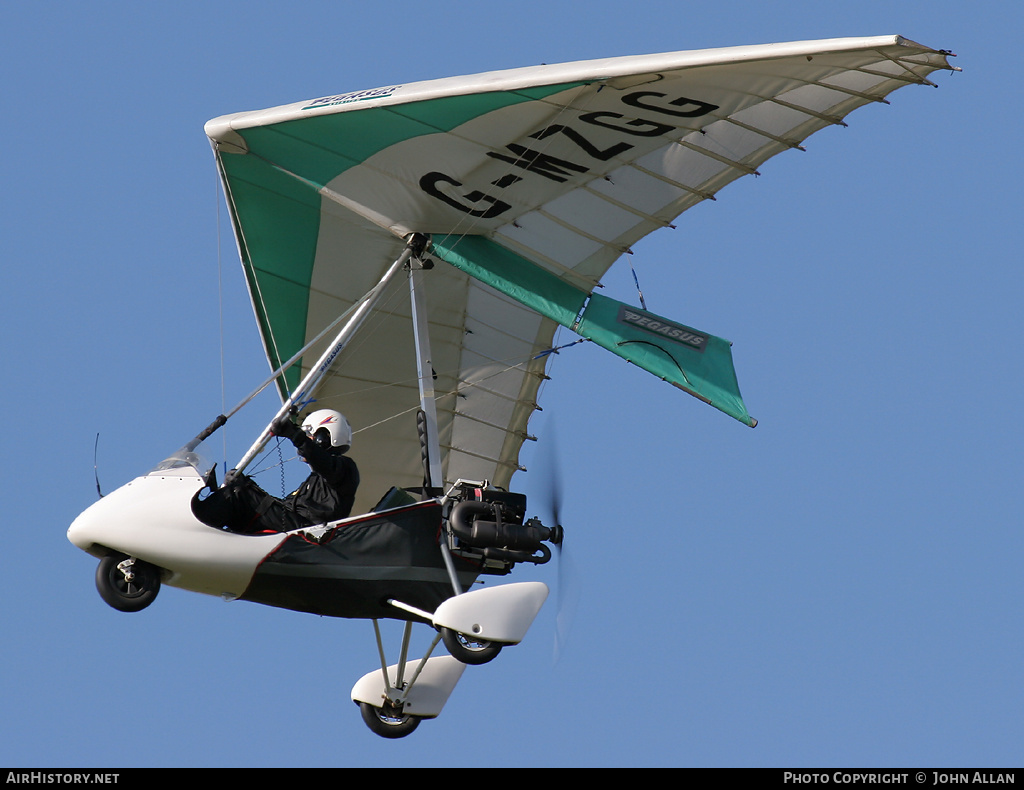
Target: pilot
(326, 495)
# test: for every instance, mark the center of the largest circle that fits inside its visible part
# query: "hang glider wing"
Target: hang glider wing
(531, 183)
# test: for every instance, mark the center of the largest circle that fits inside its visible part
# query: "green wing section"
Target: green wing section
(696, 362)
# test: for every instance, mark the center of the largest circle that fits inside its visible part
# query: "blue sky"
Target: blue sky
(838, 587)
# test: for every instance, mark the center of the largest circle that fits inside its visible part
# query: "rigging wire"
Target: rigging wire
(249, 268)
(463, 383)
(220, 307)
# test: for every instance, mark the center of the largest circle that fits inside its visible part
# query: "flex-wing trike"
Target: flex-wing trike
(532, 183)
(408, 559)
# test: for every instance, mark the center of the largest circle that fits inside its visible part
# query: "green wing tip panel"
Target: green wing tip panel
(696, 362)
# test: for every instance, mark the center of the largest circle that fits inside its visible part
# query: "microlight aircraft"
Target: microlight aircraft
(410, 251)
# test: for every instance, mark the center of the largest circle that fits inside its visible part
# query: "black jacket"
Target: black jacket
(329, 491)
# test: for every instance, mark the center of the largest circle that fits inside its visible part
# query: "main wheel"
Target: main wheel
(127, 585)
(388, 722)
(469, 650)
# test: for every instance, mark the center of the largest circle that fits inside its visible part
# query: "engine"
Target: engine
(489, 525)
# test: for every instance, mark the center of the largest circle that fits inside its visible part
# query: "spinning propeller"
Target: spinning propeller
(552, 499)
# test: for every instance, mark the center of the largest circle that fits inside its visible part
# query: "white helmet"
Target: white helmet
(329, 429)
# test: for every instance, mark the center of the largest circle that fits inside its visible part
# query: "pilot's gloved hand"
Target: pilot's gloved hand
(286, 429)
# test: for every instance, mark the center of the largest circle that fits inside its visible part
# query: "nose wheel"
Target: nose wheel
(127, 584)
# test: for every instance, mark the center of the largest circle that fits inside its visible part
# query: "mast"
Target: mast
(414, 247)
(427, 418)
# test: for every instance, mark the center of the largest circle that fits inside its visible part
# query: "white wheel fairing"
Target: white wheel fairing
(427, 696)
(495, 614)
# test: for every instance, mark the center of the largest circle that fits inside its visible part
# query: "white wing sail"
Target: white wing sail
(555, 170)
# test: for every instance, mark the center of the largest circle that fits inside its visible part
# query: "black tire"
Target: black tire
(388, 722)
(469, 650)
(124, 595)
